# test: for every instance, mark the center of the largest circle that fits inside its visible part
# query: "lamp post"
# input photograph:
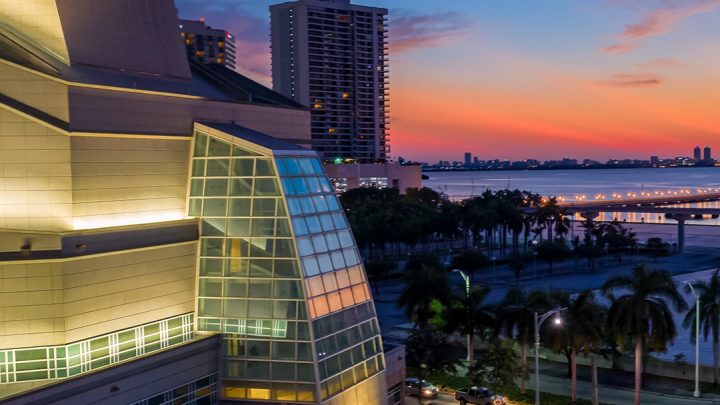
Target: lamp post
(539, 319)
(467, 294)
(696, 394)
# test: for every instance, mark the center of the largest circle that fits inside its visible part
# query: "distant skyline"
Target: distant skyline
(530, 78)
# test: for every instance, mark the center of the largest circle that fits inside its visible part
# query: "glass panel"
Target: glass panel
(213, 227)
(294, 206)
(306, 166)
(260, 289)
(240, 151)
(195, 207)
(237, 268)
(298, 184)
(196, 187)
(238, 227)
(345, 239)
(263, 227)
(214, 207)
(351, 257)
(288, 187)
(239, 207)
(242, 167)
(216, 187)
(211, 247)
(315, 286)
(264, 167)
(282, 228)
(307, 205)
(267, 187)
(284, 248)
(313, 224)
(324, 263)
(337, 260)
(342, 278)
(218, 167)
(320, 203)
(293, 168)
(311, 266)
(198, 168)
(236, 288)
(261, 268)
(332, 200)
(299, 226)
(286, 268)
(313, 185)
(211, 267)
(200, 144)
(210, 287)
(340, 222)
(208, 307)
(264, 207)
(329, 282)
(332, 240)
(317, 167)
(305, 246)
(282, 170)
(326, 222)
(259, 309)
(235, 308)
(319, 243)
(241, 187)
(218, 148)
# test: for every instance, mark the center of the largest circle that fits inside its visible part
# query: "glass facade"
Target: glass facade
(51, 362)
(202, 391)
(279, 274)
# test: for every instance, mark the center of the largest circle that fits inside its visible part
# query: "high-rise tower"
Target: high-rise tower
(332, 56)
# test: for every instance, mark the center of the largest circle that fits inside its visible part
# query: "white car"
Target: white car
(423, 389)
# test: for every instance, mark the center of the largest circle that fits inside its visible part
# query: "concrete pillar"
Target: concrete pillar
(589, 215)
(680, 218)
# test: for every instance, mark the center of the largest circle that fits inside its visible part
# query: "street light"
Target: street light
(467, 294)
(539, 319)
(696, 394)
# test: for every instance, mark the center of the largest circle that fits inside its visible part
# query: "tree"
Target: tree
(581, 329)
(656, 247)
(469, 262)
(617, 238)
(709, 292)
(468, 314)
(515, 318)
(592, 244)
(378, 270)
(498, 367)
(642, 314)
(552, 251)
(429, 351)
(426, 286)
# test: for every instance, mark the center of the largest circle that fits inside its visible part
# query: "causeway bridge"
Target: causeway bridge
(664, 205)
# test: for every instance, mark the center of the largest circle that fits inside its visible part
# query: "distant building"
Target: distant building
(205, 44)
(468, 159)
(707, 155)
(696, 153)
(654, 160)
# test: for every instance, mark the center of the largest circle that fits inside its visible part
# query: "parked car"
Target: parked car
(479, 395)
(418, 388)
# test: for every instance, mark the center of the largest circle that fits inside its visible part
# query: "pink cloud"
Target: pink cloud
(632, 80)
(659, 22)
(410, 32)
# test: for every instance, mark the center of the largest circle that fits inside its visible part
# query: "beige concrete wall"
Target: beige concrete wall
(51, 302)
(372, 391)
(102, 110)
(35, 177)
(37, 20)
(36, 91)
(120, 181)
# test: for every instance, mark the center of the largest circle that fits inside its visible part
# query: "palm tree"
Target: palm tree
(709, 292)
(426, 285)
(515, 317)
(581, 330)
(469, 314)
(642, 313)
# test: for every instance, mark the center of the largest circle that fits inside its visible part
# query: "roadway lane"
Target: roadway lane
(442, 399)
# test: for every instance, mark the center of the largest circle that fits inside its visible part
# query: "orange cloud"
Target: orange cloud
(658, 22)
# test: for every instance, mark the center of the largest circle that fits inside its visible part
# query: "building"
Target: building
(696, 153)
(707, 154)
(164, 236)
(468, 159)
(332, 56)
(205, 44)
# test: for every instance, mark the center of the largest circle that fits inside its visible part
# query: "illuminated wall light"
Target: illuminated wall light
(101, 221)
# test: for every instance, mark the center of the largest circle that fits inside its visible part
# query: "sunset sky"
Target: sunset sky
(517, 79)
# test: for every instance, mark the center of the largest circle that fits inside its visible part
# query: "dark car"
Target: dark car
(418, 388)
(478, 395)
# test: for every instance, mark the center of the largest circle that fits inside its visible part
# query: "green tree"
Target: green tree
(617, 238)
(426, 286)
(429, 351)
(469, 262)
(498, 367)
(515, 318)
(517, 266)
(709, 292)
(581, 329)
(641, 315)
(656, 247)
(552, 251)
(469, 314)
(378, 270)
